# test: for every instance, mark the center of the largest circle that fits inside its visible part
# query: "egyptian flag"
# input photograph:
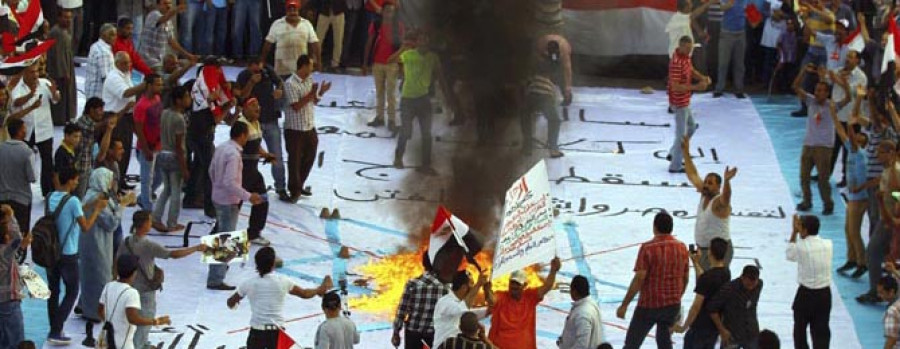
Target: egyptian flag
(753, 15)
(211, 85)
(446, 228)
(854, 41)
(285, 341)
(24, 47)
(892, 47)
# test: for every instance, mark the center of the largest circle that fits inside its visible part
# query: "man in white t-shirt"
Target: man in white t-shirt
(337, 332)
(38, 123)
(293, 36)
(451, 306)
(123, 303)
(266, 294)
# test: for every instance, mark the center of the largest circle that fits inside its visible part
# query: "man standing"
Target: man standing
(227, 194)
(419, 67)
(818, 19)
(157, 34)
(681, 73)
(702, 331)
(514, 316)
(119, 91)
(338, 332)
(733, 310)
(172, 160)
(12, 324)
(543, 99)
(125, 43)
(261, 82)
(331, 16)
(252, 179)
(91, 123)
(451, 306)
(17, 174)
(714, 211)
(147, 113)
(300, 137)
(384, 39)
(415, 315)
(246, 22)
(76, 22)
(293, 36)
(215, 28)
(584, 327)
(812, 304)
(39, 123)
(817, 143)
(266, 294)
(65, 156)
(61, 68)
(660, 275)
(100, 62)
(732, 45)
(885, 205)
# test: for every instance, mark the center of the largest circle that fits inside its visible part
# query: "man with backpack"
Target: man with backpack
(60, 257)
(124, 304)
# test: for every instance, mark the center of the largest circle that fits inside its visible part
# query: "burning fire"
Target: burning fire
(390, 274)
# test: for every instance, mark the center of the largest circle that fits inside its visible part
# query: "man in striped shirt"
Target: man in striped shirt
(681, 74)
(542, 98)
(660, 275)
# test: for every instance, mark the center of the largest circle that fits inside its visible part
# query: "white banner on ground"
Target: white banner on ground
(224, 248)
(526, 234)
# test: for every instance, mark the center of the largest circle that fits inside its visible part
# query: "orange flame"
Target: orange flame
(390, 274)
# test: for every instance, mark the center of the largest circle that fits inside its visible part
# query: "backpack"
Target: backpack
(46, 248)
(107, 337)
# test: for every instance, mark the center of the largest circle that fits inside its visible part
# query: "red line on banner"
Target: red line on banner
(310, 235)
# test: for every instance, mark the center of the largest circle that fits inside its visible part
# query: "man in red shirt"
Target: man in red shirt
(513, 319)
(125, 42)
(147, 114)
(681, 74)
(384, 39)
(660, 275)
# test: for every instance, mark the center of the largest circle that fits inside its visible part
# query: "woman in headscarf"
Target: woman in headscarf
(96, 247)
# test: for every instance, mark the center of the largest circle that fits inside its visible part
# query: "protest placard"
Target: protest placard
(224, 248)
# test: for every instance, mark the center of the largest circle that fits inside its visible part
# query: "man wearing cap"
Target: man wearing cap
(337, 332)
(266, 294)
(660, 275)
(513, 320)
(293, 36)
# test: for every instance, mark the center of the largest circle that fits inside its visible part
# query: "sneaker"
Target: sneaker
(671, 111)
(556, 154)
(260, 241)
(221, 287)
(283, 195)
(740, 95)
(868, 298)
(59, 340)
(717, 94)
(804, 206)
(860, 271)
(305, 192)
(847, 266)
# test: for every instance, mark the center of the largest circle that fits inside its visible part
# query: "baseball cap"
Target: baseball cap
(518, 276)
(292, 3)
(331, 300)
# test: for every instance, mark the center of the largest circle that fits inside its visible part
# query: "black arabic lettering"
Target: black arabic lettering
(619, 123)
(358, 196)
(615, 179)
(334, 130)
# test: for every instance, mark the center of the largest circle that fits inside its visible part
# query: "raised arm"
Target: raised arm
(689, 168)
(838, 127)
(798, 81)
(555, 264)
(312, 292)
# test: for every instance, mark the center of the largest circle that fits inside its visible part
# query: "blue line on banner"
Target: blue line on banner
(599, 281)
(578, 250)
(377, 228)
(338, 265)
(318, 280)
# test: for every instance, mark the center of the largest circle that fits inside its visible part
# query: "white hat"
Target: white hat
(844, 22)
(518, 276)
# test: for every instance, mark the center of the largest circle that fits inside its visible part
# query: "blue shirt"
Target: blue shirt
(67, 220)
(735, 20)
(857, 171)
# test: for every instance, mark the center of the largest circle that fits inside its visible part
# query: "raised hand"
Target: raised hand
(730, 172)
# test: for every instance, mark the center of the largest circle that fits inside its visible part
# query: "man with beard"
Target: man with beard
(714, 210)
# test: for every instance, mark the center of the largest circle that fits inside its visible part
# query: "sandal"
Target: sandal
(160, 227)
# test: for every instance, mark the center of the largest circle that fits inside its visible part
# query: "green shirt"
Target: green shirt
(417, 71)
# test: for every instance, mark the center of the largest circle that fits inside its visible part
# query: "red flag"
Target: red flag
(425, 345)
(753, 14)
(440, 236)
(284, 341)
(892, 47)
(854, 41)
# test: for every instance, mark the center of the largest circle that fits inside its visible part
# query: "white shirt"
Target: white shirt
(856, 78)
(447, 312)
(709, 226)
(69, 4)
(813, 256)
(583, 329)
(266, 295)
(114, 88)
(290, 43)
(40, 120)
(116, 298)
(679, 25)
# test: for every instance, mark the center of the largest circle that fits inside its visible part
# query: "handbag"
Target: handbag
(159, 276)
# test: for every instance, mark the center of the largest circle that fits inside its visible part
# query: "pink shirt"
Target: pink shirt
(225, 174)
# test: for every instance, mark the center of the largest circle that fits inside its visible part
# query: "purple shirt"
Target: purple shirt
(225, 174)
(787, 42)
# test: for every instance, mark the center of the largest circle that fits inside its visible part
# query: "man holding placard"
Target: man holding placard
(513, 319)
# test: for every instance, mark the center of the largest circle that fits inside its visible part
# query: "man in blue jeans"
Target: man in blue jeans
(191, 25)
(147, 115)
(228, 194)
(246, 21)
(215, 28)
(70, 223)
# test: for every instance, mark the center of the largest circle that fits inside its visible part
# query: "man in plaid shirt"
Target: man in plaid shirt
(301, 141)
(91, 122)
(100, 62)
(416, 310)
(887, 290)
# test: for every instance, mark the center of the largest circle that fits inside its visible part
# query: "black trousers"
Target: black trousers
(413, 340)
(259, 339)
(301, 148)
(67, 271)
(199, 186)
(253, 182)
(839, 147)
(45, 148)
(812, 308)
(124, 132)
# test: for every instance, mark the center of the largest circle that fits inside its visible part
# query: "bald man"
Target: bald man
(118, 91)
